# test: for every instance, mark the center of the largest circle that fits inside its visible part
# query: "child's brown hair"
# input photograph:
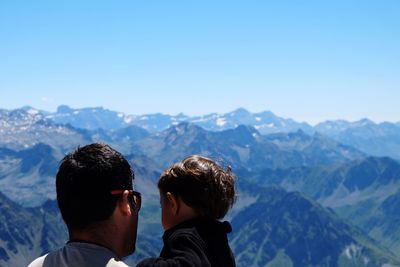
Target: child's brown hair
(201, 184)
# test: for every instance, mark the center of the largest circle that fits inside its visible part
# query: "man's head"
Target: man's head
(86, 183)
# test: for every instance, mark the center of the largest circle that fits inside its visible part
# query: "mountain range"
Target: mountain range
(26, 233)
(243, 147)
(321, 187)
(288, 229)
(279, 228)
(375, 139)
(364, 192)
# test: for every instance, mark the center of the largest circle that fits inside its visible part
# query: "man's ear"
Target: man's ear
(173, 202)
(124, 205)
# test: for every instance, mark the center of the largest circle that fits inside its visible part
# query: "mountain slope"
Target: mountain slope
(381, 139)
(364, 192)
(339, 184)
(243, 147)
(25, 233)
(380, 220)
(265, 122)
(98, 117)
(21, 129)
(28, 176)
(287, 229)
(89, 118)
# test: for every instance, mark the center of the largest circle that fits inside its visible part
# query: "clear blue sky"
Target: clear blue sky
(307, 60)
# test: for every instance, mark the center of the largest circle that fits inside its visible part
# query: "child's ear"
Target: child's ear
(174, 203)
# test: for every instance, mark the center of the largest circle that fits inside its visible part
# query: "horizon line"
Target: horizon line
(25, 107)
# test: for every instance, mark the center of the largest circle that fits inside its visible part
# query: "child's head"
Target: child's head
(201, 184)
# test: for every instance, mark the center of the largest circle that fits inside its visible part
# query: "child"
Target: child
(194, 194)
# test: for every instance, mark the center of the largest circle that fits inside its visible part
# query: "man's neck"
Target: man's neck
(94, 237)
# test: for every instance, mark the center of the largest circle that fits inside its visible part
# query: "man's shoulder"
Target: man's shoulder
(38, 262)
(114, 263)
(78, 254)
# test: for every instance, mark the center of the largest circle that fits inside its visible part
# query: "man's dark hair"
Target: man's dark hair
(84, 182)
(201, 184)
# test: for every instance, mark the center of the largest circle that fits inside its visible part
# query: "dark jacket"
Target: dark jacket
(197, 242)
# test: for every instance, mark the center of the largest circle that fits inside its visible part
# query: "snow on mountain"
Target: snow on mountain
(23, 128)
(381, 139)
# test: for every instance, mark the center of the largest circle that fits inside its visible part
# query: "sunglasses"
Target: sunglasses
(135, 198)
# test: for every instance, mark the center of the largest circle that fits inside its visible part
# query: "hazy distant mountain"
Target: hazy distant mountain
(21, 129)
(287, 229)
(100, 118)
(322, 149)
(244, 147)
(339, 184)
(89, 118)
(364, 192)
(261, 148)
(158, 122)
(28, 176)
(120, 138)
(128, 134)
(375, 139)
(384, 224)
(380, 219)
(27, 233)
(265, 122)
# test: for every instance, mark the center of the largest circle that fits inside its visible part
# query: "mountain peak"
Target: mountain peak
(187, 126)
(64, 109)
(364, 122)
(239, 114)
(241, 111)
(266, 114)
(246, 128)
(184, 128)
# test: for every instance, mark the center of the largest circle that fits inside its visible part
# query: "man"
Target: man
(97, 203)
